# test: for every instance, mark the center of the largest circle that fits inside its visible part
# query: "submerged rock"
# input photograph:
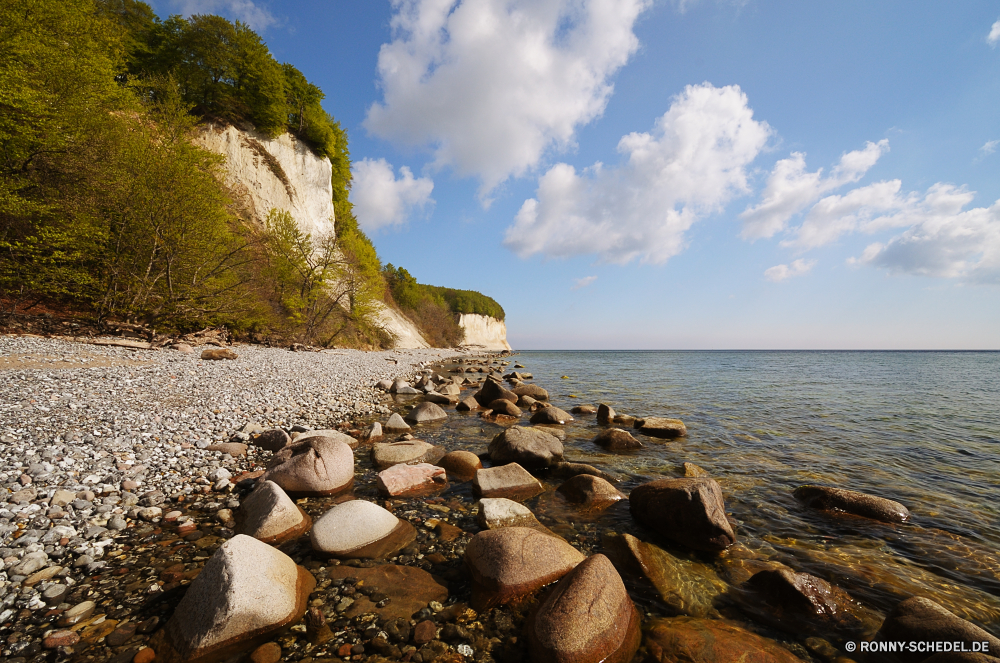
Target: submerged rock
(710, 641)
(316, 466)
(532, 390)
(270, 516)
(529, 447)
(584, 409)
(589, 491)
(246, 593)
(661, 427)
(510, 563)
(360, 529)
(501, 406)
(688, 511)
(616, 439)
(551, 415)
(919, 618)
(605, 414)
(568, 470)
(691, 470)
(852, 502)
(461, 465)
(387, 454)
(492, 391)
(408, 590)
(497, 512)
(588, 617)
(467, 404)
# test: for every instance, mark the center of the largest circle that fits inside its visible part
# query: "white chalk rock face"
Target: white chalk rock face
(360, 529)
(483, 332)
(269, 515)
(246, 592)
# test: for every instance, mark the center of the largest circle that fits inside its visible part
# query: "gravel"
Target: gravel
(121, 433)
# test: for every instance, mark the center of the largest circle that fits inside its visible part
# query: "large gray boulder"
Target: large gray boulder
(588, 616)
(424, 413)
(314, 467)
(358, 529)
(501, 406)
(532, 390)
(529, 447)
(688, 511)
(491, 391)
(246, 593)
(270, 516)
(852, 502)
(510, 563)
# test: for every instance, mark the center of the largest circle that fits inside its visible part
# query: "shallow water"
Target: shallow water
(922, 428)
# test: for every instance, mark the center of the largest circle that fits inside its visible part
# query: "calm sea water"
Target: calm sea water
(922, 428)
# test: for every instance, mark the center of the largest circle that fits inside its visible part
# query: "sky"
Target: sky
(673, 174)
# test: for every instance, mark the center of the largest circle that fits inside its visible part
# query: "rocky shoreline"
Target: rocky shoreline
(281, 506)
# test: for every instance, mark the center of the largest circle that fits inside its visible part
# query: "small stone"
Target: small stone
(77, 613)
(461, 465)
(234, 449)
(424, 632)
(120, 635)
(150, 513)
(271, 440)
(39, 576)
(54, 594)
(60, 639)
(395, 424)
(144, 655)
(269, 652)
(130, 485)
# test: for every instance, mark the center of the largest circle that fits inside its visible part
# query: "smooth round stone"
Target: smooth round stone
(662, 427)
(590, 491)
(317, 466)
(387, 454)
(395, 424)
(529, 447)
(424, 413)
(269, 515)
(272, 440)
(360, 529)
(461, 465)
(616, 439)
(551, 415)
(852, 502)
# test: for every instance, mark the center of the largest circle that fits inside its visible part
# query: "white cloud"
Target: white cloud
(257, 17)
(790, 188)
(691, 164)
(834, 216)
(381, 199)
(781, 272)
(491, 84)
(994, 37)
(942, 238)
(990, 146)
(584, 282)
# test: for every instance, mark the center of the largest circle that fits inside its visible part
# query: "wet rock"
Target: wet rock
(588, 617)
(360, 529)
(551, 415)
(919, 618)
(492, 391)
(468, 404)
(373, 433)
(78, 613)
(497, 512)
(590, 492)
(412, 480)
(461, 465)
(854, 503)
(568, 470)
(511, 481)
(616, 439)
(270, 516)
(691, 470)
(272, 440)
(687, 587)
(395, 424)
(387, 454)
(60, 639)
(246, 593)
(532, 390)
(408, 589)
(688, 511)
(501, 406)
(269, 652)
(605, 414)
(451, 389)
(215, 354)
(510, 563)
(662, 427)
(525, 401)
(316, 466)
(529, 447)
(624, 420)
(424, 413)
(710, 641)
(799, 602)
(584, 409)
(440, 399)
(424, 632)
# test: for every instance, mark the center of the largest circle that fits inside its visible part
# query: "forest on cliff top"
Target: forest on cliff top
(108, 210)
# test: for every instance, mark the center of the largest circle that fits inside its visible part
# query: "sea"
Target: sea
(921, 428)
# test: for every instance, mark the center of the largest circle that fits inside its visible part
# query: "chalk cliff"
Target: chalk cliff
(483, 332)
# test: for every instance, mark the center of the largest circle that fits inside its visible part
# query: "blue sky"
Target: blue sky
(664, 174)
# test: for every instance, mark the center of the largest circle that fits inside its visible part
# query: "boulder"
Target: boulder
(532, 390)
(688, 511)
(461, 465)
(511, 563)
(497, 512)
(245, 594)
(616, 439)
(529, 447)
(492, 391)
(271, 440)
(511, 481)
(588, 617)
(441, 399)
(314, 467)
(358, 529)
(411, 480)
(373, 433)
(590, 492)
(687, 587)
(919, 618)
(854, 503)
(397, 384)
(215, 354)
(551, 415)
(408, 391)
(661, 427)
(395, 424)
(328, 434)
(605, 414)
(424, 413)
(525, 401)
(569, 470)
(467, 404)
(384, 385)
(584, 409)
(500, 406)
(710, 641)
(450, 390)
(692, 470)
(387, 454)
(624, 420)
(269, 515)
